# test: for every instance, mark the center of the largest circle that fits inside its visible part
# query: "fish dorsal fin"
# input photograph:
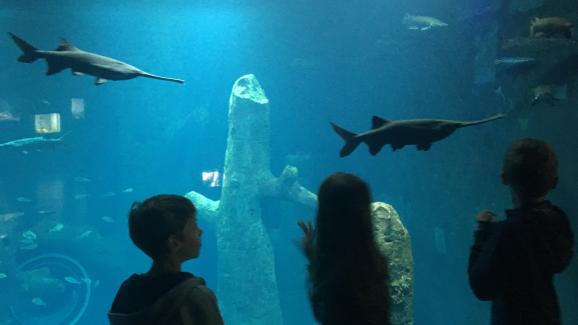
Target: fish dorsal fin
(377, 122)
(66, 46)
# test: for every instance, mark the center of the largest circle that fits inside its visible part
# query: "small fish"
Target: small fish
(10, 216)
(421, 23)
(84, 234)
(128, 190)
(38, 301)
(80, 179)
(96, 284)
(549, 27)
(71, 280)
(549, 94)
(515, 60)
(3, 276)
(7, 116)
(58, 227)
(80, 196)
(45, 211)
(29, 234)
(23, 199)
(107, 219)
(109, 194)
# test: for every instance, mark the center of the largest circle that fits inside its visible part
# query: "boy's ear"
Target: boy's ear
(173, 242)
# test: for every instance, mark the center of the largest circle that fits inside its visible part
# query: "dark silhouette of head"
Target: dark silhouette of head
(530, 167)
(343, 214)
(349, 274)
(153, 221)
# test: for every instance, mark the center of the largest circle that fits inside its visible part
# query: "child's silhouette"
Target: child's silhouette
(513, 262)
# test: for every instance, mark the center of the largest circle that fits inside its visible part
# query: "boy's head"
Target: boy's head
(165, 225)
(530, 168)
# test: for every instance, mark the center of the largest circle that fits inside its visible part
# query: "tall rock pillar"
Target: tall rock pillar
(247, 285)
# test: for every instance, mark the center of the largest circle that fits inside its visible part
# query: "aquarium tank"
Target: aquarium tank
(245, 107)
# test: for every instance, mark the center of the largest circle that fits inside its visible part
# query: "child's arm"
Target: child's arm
(307, 247)
(483, 265)
(563, 245)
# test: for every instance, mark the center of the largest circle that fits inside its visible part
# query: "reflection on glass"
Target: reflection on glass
(77, 108)
(212, 178)
(47, 123)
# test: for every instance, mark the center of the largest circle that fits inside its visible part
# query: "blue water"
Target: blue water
(318, 61)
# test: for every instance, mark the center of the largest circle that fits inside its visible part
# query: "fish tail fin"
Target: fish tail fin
(29, 52)
(351, 141)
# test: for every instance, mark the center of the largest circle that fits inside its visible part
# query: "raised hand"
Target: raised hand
(485, 216)
(306, 242)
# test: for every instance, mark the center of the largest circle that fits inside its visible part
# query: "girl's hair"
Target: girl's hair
(348, 273)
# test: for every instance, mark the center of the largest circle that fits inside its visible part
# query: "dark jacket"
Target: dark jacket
(513, 262)
(172, 299)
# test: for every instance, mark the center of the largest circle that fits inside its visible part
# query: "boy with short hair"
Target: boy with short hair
(513, 262)
(164, 227)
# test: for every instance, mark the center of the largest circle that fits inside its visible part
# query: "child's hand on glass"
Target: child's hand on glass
(485, 216)
(306, 243)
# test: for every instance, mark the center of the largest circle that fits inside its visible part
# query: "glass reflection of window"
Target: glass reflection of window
(212, 178)
(47, 123)
(77, 108)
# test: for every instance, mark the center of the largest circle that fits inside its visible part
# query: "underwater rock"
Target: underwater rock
(556, 64)
(243, 244)
(394, 243)
(549, 52)
(551, 27)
